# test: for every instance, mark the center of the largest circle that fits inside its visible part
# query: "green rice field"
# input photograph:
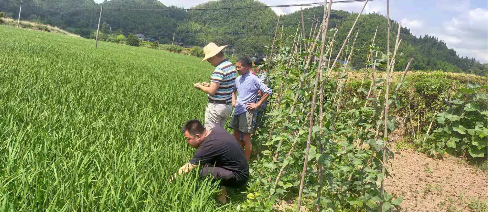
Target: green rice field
(85, 129)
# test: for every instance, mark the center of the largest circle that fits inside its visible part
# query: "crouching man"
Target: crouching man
(219, 156)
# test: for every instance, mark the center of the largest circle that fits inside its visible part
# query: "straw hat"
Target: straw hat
(211, 50)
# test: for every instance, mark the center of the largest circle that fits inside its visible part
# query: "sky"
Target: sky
(461, 24)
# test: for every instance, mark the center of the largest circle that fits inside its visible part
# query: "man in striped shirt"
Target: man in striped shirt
(220, 88)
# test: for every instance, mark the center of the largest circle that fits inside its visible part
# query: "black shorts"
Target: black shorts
(226, 177)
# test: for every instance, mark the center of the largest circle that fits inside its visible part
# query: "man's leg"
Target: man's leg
(210, 116)
(237, 136)
(247, 129)
(224, 114)
(234, 124)
(224, 175)
(247, 145)
(221, 196)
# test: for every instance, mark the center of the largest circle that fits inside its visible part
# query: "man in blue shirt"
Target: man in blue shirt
(245, 102)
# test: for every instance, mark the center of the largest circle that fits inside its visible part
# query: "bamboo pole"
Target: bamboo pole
(312, 114)
(343, 82)
(329, 50)
(300, 84)
(281, 37)
(303, 28)
(385, 134)
(312, 28)
(20, 11)
(369, 57)
(404, 74)
(321, 98)
(280, 93)
(98, 28)
(349, 34)
(272, 46)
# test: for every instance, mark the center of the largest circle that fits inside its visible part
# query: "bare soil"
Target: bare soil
(428, 184)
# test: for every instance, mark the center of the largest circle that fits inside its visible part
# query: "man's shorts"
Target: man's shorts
(216, 114)
(226, 177)
(243, 122)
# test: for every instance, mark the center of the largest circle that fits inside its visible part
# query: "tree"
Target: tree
(133, 40)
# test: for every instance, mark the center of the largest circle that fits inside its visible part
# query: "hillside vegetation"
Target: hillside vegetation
(248, 30)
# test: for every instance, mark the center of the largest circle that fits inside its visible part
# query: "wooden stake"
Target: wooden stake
(404, 74)
(385, 134)
(20, 11)
(321, 98)
(350, 31)
(280, 93)
(303, 28)
(98, 28)
(272, 46)
(369, 57)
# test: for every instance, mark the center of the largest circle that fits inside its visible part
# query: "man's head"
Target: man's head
(243, 65)
(257, 63)
(215, 60)
(194, 133)
(213, 54)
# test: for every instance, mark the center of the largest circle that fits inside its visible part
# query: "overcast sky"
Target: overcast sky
(462, 24)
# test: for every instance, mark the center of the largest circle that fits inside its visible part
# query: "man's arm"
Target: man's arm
(234, 100)
(211, 89)
(183, 170)
(186, 168)
(265, 90)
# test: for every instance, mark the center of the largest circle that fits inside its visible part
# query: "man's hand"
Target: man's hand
(206, 84)
(186, 168)
(234, 103)
(252, 106)
(173, 178)
(197, 85)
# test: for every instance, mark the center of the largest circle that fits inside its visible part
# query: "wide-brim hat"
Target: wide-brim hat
(211, 50)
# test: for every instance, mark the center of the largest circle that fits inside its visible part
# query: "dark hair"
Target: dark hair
(259, 61)
(220, 54)
(245, 61)
(194, 127)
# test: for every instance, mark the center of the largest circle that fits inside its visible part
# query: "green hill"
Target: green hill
(248, 28)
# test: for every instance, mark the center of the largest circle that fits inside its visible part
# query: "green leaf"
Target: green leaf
(460, 129)
(456, 101)
(315, 129)
(270, 165)
(475, 152)
(467, 90)
(397, 201)
(312, 153)
(358, 203)
(469, 107)
(452, 142)
(386, 206)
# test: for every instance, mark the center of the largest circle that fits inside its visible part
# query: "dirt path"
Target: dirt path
(428, 184)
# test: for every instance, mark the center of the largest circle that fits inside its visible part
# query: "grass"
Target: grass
(96, 129)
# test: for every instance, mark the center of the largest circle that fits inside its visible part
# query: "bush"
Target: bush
(2, 14)
(173, 48)
(120, 38)
(154, 45)
(462, 128)
(133, 40)
(197, 52)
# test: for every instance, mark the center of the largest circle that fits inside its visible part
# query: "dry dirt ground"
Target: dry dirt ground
(428, 184)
